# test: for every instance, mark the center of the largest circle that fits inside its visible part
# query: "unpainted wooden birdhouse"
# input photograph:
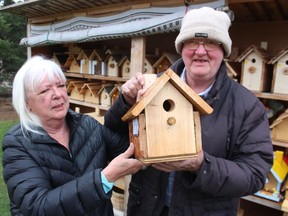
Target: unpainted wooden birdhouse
(112, 60)
(124, 66)
(74, 88)
(90, 92)
(83, 58)
(255, 74)
(165, 61)
(164, 125)
(280, 72)
(72, 64)
(97, 64)
(104, 93)
(279, 128)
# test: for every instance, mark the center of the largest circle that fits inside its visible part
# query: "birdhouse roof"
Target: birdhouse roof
(94, 88)
(75, 85)
(70, 59)
(261, 52)
(278, 56)
(230, 68)
(116, 88)
(98, 54)
(180, 85)
(106, 87)
(172, 57)
(84, 54)
(123, 59)
(280, 118)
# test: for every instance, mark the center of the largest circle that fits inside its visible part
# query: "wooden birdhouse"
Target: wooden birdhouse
(232, 70)
(72, 64)
(105, 97)
(165, 61)
(112, 60)
(60, 59)
(83, 58)
(255, 74)
(97, 64)
(279, 128)
(90, 92)
(275, 178)
(280, 72)
(74, 88)
(149, 61)
(124, 66)
(164, 125)
(115, 92)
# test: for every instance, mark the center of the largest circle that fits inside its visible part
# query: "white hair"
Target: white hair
(30, 75)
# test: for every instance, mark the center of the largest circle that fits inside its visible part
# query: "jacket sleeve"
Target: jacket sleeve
(244, 171)
(112, 118)
(31, 189)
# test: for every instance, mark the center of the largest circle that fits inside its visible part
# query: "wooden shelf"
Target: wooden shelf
(273, 96)
(82, 103)
(281, 144)
(95, 77)
(263, 201)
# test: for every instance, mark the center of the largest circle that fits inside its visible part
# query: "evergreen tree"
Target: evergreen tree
(13, 29)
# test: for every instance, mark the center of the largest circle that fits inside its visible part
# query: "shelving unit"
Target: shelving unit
(253, 24)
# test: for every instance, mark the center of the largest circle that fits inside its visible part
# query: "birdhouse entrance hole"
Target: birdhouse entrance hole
(168, 105)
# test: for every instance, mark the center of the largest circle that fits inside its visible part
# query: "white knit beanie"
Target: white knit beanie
(207, 23)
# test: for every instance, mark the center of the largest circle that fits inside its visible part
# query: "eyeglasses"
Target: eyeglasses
(209, 45)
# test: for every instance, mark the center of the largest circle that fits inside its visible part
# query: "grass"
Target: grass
(4, 200)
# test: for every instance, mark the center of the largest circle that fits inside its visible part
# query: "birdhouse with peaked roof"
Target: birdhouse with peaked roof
(255, 74)
(83, 58)
(74, 88)
(275, 178)
(97, 64)
(90, 92)
(164, 125)
(72, 63)
(104, 93)
(113, 57)
(280, 72)
(165, 61)
(279, 128)
(124, 66)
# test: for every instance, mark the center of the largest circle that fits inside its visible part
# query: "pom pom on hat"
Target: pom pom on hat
(208, 23)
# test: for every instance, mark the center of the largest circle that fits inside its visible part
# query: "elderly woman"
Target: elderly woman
(55, 162)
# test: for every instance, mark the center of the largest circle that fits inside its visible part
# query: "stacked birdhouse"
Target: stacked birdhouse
(74, 89)
(280, 72)
(279, 128)
(165, 61)
(275, 179)
(255, 74)
(90, 92)
(160, 122)
(96, 62)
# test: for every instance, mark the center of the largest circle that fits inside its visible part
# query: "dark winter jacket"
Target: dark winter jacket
(44, 178)
(237, 156)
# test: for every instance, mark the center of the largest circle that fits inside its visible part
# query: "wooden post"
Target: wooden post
(138, 50)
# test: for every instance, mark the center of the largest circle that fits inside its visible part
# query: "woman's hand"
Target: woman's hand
(122, 165)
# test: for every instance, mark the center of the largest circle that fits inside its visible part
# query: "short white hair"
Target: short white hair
(30, 75)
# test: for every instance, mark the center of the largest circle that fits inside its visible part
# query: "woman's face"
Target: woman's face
(49, 101)
(202, 63)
